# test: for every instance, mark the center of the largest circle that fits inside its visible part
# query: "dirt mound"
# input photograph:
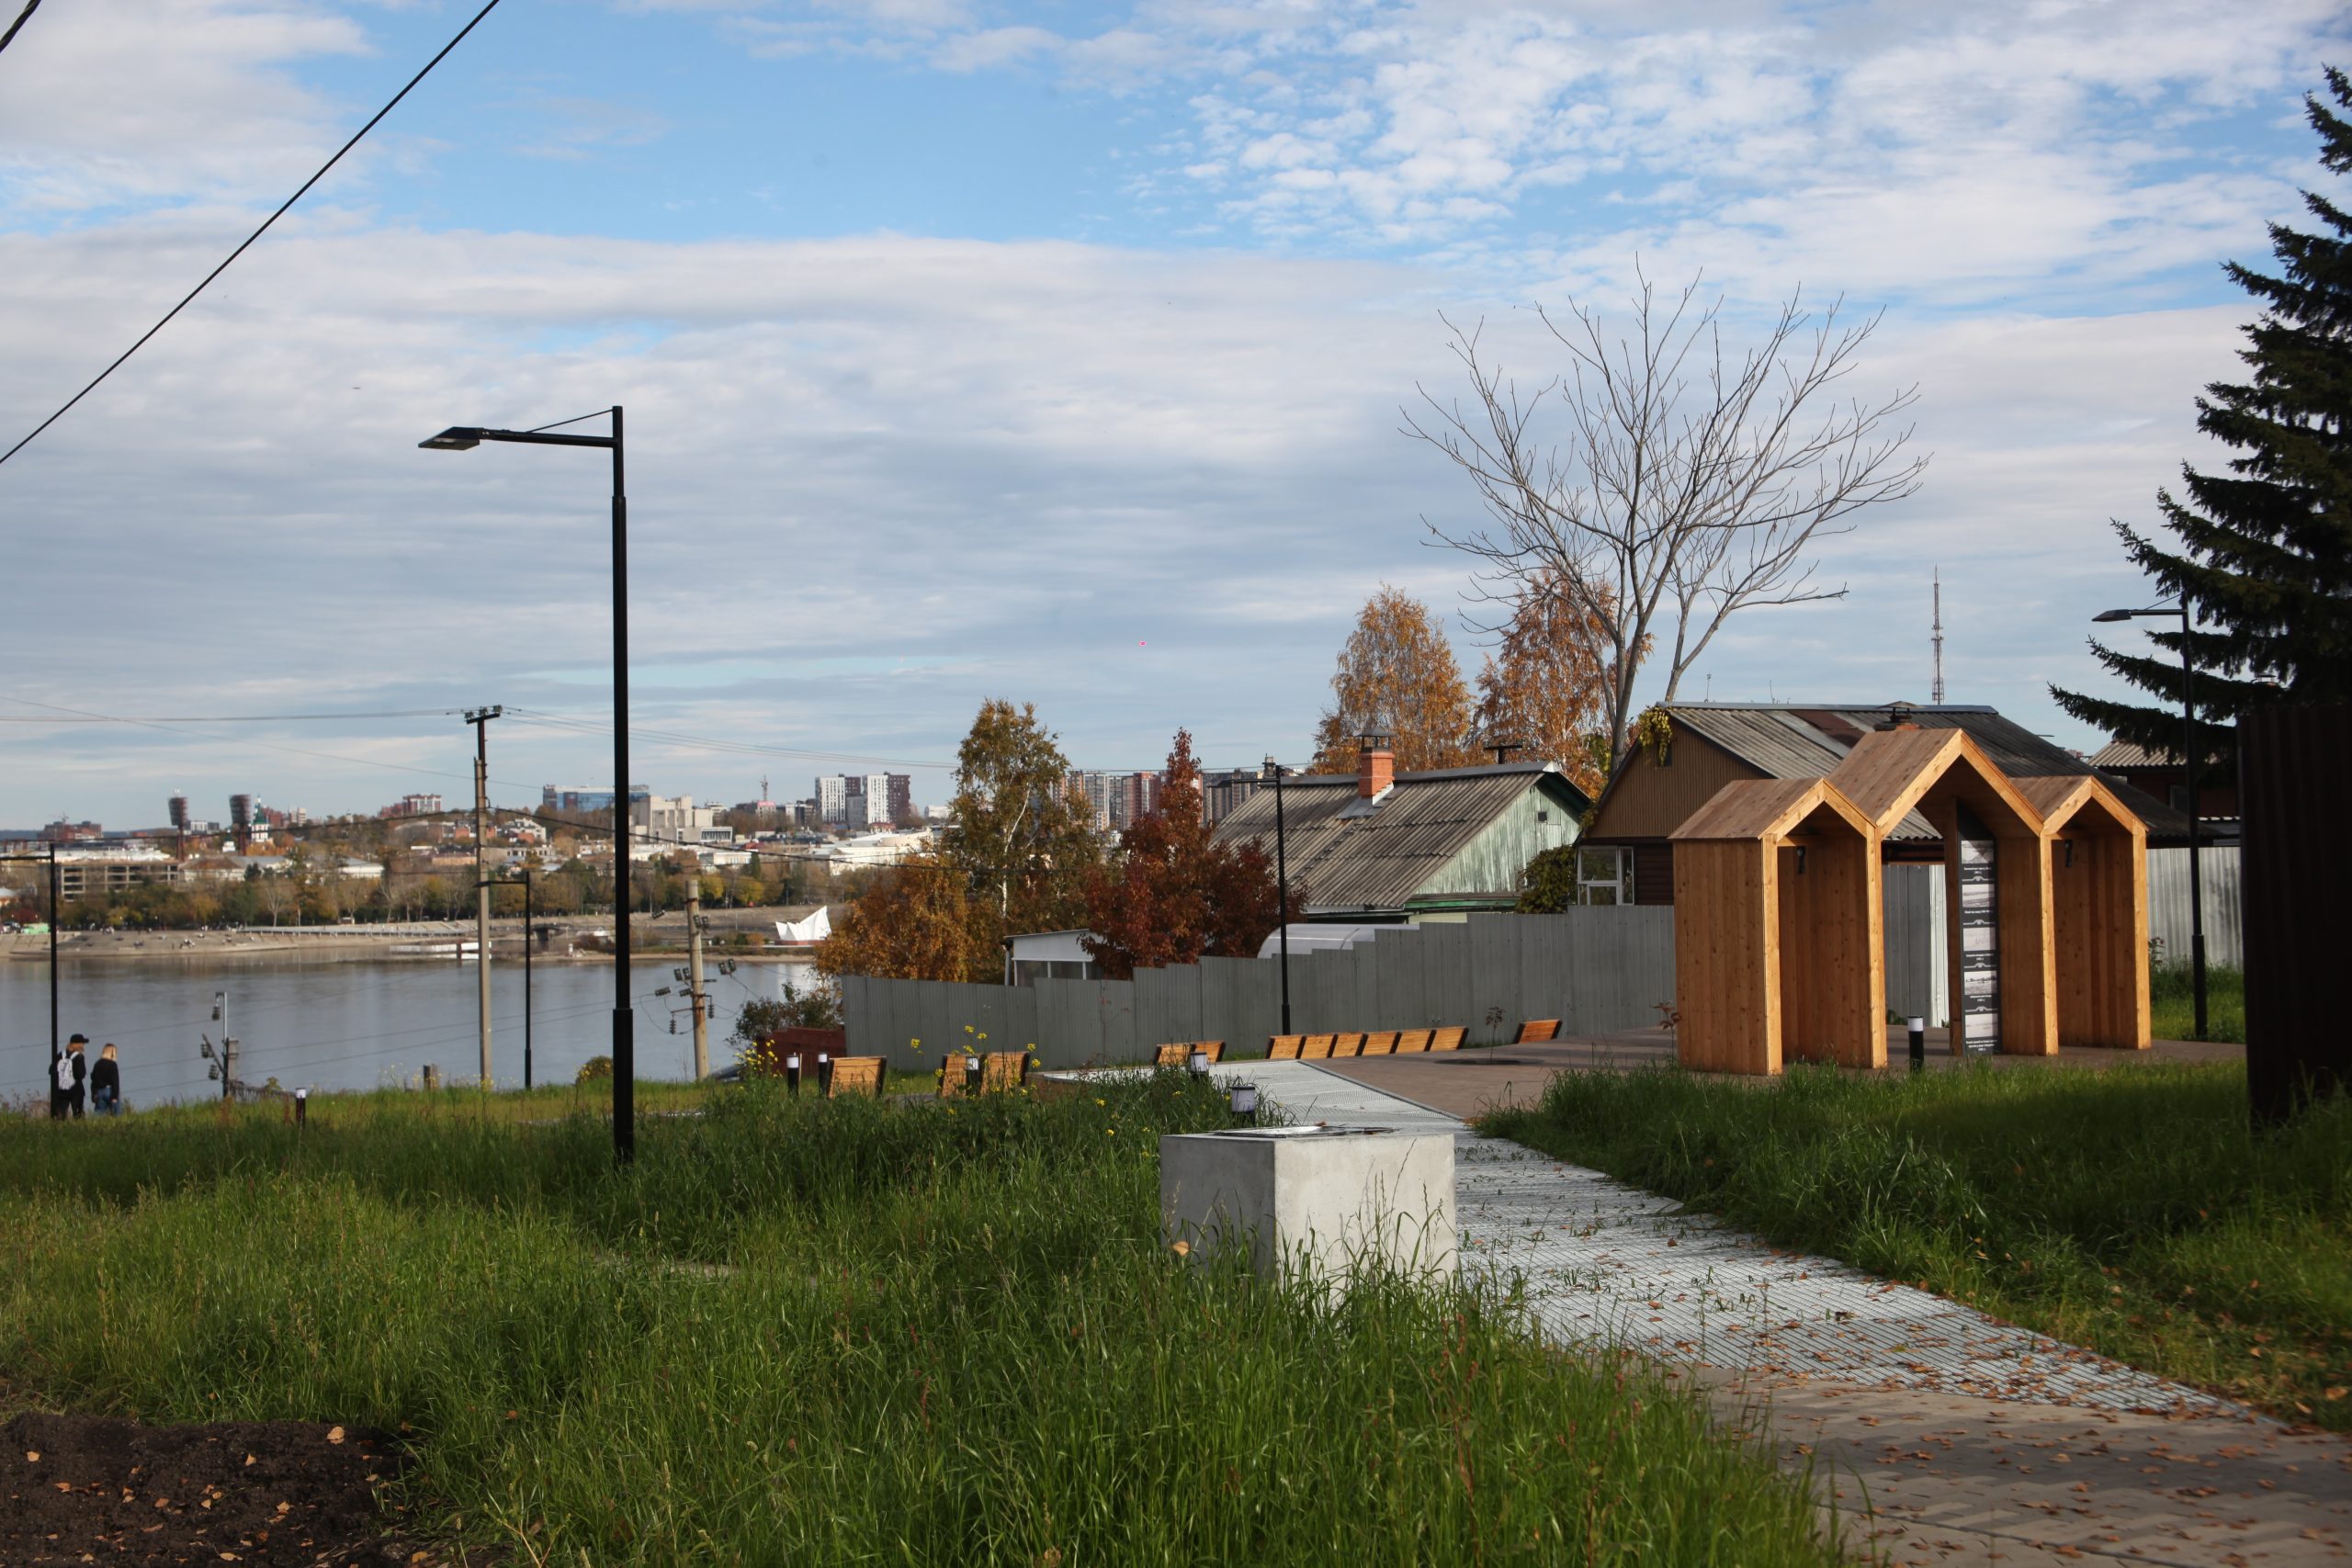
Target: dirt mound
(84, 1489)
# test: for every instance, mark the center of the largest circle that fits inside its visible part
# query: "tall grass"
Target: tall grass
(2130, 1209)
(838, 1333)
(2172, 1002)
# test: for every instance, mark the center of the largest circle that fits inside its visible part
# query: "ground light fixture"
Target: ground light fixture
(792, 1072)
(1199, 1064)
(464, 438)
(1245, 1102)
(2188, 780)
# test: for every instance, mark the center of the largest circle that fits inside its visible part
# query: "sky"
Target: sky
(1052, 352)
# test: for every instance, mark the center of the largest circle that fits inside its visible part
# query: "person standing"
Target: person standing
(68, 1074)
(106, 1084)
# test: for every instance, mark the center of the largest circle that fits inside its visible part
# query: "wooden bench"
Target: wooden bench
(1180, 1054)
(1347, 1044)
(1448, 1039)
(1003, 1070)
(860, 1074)
(1535, 1031)
(1315, 1047)
(1284, 1047)
(1412, 1040)
(952, 1076)
(1381, 1043)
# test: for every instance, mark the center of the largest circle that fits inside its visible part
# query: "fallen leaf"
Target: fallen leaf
(1181, 1249)
(32, 1456)
(334, 1434)
(249, 1459)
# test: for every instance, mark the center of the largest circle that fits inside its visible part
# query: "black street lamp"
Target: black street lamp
(461, 438)
(1274, 770)
(2188, 769)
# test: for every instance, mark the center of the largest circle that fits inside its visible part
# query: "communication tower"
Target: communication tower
(1936, 693)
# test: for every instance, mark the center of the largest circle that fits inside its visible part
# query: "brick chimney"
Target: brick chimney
(1375, 766)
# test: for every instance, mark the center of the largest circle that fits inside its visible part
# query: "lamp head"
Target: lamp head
(2112, 615)
(457, 439)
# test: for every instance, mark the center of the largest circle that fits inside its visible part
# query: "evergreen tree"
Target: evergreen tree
(2266, 549)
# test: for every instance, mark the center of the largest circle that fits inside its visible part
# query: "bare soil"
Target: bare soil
(90, 1489)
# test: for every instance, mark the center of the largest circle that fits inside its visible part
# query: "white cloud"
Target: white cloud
(112, 101)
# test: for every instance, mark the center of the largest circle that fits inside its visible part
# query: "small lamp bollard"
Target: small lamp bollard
(302, 1107)
(971, 1074)
(792, 1072)
(824, 1073)
(1918, 1043)
(1198, 1065)
(1245, 1103)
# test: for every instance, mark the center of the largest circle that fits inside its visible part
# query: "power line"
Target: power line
(218, 718)
(18, 25)
(257, 234)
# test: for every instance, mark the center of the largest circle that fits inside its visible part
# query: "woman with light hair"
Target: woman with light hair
(106, 1084)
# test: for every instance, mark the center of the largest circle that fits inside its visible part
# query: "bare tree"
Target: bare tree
(1686, 484)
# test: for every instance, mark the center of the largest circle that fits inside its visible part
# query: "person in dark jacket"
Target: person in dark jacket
(106, 1084)
(67, 1075)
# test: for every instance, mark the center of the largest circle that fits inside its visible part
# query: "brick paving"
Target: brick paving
(1937, 1435)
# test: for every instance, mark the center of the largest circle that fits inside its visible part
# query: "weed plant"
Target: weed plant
(835, 1332)
(2129, 1210)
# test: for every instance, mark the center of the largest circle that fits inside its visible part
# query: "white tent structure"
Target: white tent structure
(805, 933)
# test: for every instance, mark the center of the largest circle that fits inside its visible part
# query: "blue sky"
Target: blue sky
(1047, 352)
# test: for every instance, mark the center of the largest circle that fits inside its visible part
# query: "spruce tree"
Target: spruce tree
(2265, 552)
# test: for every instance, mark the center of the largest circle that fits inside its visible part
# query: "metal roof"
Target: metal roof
(2124, 754)
(1788, 740)
(1345, 857)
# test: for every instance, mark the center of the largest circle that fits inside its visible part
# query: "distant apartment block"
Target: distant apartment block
(413, 806)
(1222, 793)
(81, 872)
(864, 800)
(676, 819)
(564, 801)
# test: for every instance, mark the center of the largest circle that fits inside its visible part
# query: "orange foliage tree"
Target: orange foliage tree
(916, 923)
(1398, 677)
(1549, 691)
(1174, 895)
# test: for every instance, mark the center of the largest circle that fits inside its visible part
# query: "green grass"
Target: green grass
(845, 1332)
(2128, 1209)
(2171, 1003)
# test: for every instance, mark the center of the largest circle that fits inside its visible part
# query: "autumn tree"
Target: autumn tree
(1548, 691)
(1023, 842)
(914, 922)
(1174, 895)
(1397, 677)
(1666, 482)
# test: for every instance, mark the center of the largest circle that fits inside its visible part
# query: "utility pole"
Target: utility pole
(479, 719)
(694, 973)
(529, 938)
(1936, 693)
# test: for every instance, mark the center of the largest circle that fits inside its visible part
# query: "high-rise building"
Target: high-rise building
(241, 822)
(180, 814)
(1222, 793)
(832, 800)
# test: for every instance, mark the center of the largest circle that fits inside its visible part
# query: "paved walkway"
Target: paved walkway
(1943, 1436)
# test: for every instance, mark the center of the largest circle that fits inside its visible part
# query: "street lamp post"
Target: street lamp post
(2188, 767)
(1273, 770)
(461, 438)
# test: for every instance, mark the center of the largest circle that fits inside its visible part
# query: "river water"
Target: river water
(355, 1024)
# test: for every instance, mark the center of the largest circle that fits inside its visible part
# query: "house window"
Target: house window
(1600, 875)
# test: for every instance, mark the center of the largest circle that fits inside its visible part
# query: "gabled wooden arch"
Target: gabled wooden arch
(1941, 773)
(2095, 857)
(1777, 930)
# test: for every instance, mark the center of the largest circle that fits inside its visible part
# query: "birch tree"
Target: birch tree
(1663, 482)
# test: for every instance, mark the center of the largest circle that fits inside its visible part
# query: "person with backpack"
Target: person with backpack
(68, 1072)
(106, 1084)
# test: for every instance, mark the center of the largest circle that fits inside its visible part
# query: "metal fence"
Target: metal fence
(1918, 975)
(2169, 904)
(1595, 970)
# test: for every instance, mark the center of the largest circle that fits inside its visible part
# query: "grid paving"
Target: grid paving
(1602, 1260)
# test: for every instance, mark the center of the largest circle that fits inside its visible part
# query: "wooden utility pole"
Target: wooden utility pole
(694, 973)
(479, 719)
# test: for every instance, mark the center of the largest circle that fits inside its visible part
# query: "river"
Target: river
(355, 1024)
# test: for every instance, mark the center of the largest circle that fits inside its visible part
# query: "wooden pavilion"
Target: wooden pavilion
(1777, 930)
(2094, 858)
(1997, 886)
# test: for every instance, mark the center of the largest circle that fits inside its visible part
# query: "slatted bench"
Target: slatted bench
(1380, 1043)
(1412, 1040)
(856, 1075)
(1535, 1031)
(1284, 1047)
(1448, 1039)
(1315, 1047)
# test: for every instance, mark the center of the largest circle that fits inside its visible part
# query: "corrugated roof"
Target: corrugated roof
(2124, 754)
(1757, 809)
(1345, 860)
(1786, 741)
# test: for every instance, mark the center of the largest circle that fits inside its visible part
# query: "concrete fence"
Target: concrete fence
(1595, 970)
